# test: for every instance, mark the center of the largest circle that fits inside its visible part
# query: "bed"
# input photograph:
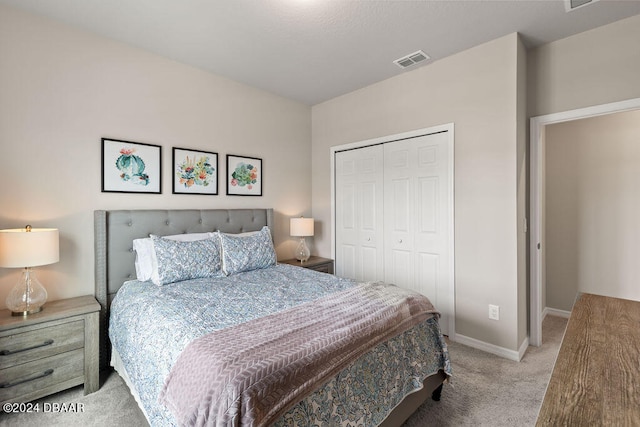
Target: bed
(372, 370)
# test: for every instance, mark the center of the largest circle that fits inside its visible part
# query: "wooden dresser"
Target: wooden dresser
(49, 351)
(596, 378)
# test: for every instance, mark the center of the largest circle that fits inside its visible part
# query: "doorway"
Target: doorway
(537, 243)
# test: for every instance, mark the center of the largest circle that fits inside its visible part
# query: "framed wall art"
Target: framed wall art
(244, 176)
(195, 172)
(131, 167)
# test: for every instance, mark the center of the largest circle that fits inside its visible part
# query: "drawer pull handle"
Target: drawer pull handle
(10, 352)
(15, 383)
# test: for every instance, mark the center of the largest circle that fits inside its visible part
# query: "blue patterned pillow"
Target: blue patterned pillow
(246, 253)
(177, 261)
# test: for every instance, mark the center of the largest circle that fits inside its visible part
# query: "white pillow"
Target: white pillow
(146, 260)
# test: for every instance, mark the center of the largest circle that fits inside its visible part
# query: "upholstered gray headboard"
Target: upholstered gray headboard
(115, 231)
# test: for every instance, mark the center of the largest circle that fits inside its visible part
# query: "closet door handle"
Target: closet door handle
(400, 241)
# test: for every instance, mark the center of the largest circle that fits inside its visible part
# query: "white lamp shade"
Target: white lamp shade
(20, 248)
(301, 227)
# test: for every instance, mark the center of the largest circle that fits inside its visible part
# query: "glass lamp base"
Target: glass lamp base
(26, 313)
(302, 251)
(28, 296)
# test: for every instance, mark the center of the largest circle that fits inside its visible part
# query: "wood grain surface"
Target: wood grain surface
(50, 351)
(596, 378)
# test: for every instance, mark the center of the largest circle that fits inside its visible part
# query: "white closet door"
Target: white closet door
(417, 218)
(359, 198)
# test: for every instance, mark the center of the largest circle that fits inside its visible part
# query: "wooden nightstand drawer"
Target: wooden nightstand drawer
(22, 380)
(23, 347)
(49, 351)
(323, 268)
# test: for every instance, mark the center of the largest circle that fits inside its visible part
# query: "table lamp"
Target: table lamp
(26, 248)
(302, 227)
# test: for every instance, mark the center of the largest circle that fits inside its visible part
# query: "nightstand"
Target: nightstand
(324, 265)
(49, 351)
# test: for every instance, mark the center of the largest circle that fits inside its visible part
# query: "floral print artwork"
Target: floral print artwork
(195, 172)
(191, 172)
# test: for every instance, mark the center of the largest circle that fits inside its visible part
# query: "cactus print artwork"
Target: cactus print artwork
(132, 167)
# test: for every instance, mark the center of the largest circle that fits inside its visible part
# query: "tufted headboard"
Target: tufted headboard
(115, 231)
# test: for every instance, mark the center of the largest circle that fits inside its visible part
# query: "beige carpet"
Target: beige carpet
(485, 390)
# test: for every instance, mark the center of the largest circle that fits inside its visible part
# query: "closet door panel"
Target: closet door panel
(398, 267)
(398, 239)
(348, 258)
(370, 252)
(370, 256)
(399, 213)
(427, 274)
(346, 217)
(427, 202)
(432, 228)
(359, 197)
(416, 226)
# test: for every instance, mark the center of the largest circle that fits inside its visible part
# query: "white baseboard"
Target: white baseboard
(494, 349)
(505, 352)
(555, 312)
(523, 348)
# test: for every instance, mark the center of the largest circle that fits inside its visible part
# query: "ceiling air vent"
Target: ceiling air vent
(411, 59)
(570, 5)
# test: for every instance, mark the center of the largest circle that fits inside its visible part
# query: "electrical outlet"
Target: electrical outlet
(494, 312)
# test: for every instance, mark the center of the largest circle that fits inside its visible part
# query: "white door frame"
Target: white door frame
(536, 164)
(450, 202)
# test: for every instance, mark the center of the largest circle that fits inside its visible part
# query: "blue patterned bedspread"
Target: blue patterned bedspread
(150, 326)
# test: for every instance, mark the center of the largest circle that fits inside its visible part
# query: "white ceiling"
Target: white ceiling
(315, 50)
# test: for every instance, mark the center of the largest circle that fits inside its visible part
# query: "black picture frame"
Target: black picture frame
(194, 171)
(131, 167)
(244, 175)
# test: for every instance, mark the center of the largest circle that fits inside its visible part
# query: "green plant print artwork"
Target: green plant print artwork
(244, 175)
(131, 167)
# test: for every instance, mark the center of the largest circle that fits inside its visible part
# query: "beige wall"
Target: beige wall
(593, 206)
(62, 90)
(592, 68)
(477, 90)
